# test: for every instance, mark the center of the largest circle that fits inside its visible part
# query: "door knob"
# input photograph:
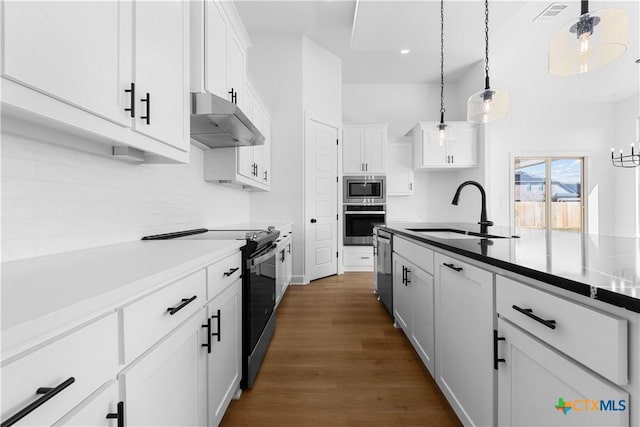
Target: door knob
(313, 221)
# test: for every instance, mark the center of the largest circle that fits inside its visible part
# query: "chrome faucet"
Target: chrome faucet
(484, 223)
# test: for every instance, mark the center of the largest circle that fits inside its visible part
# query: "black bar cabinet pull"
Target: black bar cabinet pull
(147, 99)
(496, 360)
(265, 175)
(119, 415)
(132, 99)
(234, 96)
(183, 304)
(453, 267)
(282, 255)
(289, 247)
(406, 279)
(217, 334)
(404, 275)
(47, 392)
(231, 271)
(208, 344)
(551, 324)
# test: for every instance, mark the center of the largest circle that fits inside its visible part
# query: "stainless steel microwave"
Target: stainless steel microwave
(364, 189)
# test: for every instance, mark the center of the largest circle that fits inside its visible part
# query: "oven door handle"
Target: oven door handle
(365, 212)
(262, 258)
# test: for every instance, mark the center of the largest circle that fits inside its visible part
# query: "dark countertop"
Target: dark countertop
(605, 268)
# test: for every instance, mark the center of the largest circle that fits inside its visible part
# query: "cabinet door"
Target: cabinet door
(399, 169)
(288, 264)
(215, 49)
(224, 364)
(539, 386)
(434, 151)
(260, 155)
(352, 150)
(236, 68)
(374, 150)
(160, 71)
(401, 301)
(93, 411)
(73, 51)
(464, 340)
(266, 153)
(422, 315)
(167, 386)
(462, 150)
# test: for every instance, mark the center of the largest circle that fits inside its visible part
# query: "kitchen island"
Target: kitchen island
(513, 326)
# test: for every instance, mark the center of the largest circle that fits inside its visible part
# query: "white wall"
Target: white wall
(402, 106)
(321, 84)
(55, 199)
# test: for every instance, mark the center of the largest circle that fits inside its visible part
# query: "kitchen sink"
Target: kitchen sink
(452, 233)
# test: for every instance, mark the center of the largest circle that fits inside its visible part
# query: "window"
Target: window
(548, 193)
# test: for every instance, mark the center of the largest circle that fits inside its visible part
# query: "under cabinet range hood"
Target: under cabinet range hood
(216, 123)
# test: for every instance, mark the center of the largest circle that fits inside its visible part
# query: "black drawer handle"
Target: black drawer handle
(208, 344)
(183, 304)
(551, 324)
(217, 334)
(132, 100)
(496, 360)
(119, 415)
(231, 271)
(406, 280)
(47, 393)
(147, 99)
(289, 248)
(453, 267)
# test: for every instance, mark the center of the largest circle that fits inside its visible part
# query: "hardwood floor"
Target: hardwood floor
(337, 360)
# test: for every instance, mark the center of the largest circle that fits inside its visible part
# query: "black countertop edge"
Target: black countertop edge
(604, 295)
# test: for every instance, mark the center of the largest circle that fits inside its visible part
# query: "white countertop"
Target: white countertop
(41, 295)
(262, 225)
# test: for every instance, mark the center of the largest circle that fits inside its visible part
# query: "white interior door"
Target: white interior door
(321, 209)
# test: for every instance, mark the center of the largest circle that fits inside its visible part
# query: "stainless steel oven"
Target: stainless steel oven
(359, 221)
(364, 189)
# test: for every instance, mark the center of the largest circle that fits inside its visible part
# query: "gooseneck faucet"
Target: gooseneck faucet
(484, 222)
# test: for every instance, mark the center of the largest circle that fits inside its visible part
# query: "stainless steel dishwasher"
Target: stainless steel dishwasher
(384, 275)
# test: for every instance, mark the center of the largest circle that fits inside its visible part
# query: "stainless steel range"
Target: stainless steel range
(258, 290)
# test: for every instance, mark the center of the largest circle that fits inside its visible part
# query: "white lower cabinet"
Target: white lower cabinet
(166, 385)
(102, 409)
(413, 299)
(539, 386)
(357, 258)
(284, 266)
(224, 357)
(43, 385)
(465, 317)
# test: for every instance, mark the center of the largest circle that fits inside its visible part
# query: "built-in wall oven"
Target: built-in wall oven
(364, 189)
(359, 221)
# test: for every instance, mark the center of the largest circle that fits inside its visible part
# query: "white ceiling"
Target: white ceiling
(368, 35)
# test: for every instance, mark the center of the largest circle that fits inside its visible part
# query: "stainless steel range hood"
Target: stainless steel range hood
(216, 123)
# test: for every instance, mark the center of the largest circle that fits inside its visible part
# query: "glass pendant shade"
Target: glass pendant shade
(588, 42)
(487, 105)
(442, 134)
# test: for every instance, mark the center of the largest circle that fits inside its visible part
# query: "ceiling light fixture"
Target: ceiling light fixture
(594, 40)
(444, 131)
(487, 105)
(405, 51)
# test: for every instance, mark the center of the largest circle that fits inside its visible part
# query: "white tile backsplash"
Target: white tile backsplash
(55, 199)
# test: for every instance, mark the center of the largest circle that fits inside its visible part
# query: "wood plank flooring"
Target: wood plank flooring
(337, 360)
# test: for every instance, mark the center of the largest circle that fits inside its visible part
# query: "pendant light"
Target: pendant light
(588, 42)
(444, 131)
(488, 104)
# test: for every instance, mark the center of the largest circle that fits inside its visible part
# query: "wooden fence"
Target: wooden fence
(564, 215)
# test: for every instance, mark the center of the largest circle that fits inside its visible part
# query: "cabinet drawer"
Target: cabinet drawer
(93, 411)
(596, 339)
(223, 273)
(463, 269)
(417, 254)
(359, 257)
(89, 356)
(147, 320)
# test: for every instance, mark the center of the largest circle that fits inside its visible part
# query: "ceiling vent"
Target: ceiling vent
(550, 13)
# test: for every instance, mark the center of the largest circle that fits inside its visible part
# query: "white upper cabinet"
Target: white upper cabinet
(77, 65)
(400, 173)
(89, 66)
(431, 153)
(218, 51)
(160, 73)
(364, 148)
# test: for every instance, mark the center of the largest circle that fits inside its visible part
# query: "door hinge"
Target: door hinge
(336, 141)
(337, 255)
(337, 179)
(337, 216)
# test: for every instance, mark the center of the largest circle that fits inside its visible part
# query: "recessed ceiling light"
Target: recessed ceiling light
(405, 51)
